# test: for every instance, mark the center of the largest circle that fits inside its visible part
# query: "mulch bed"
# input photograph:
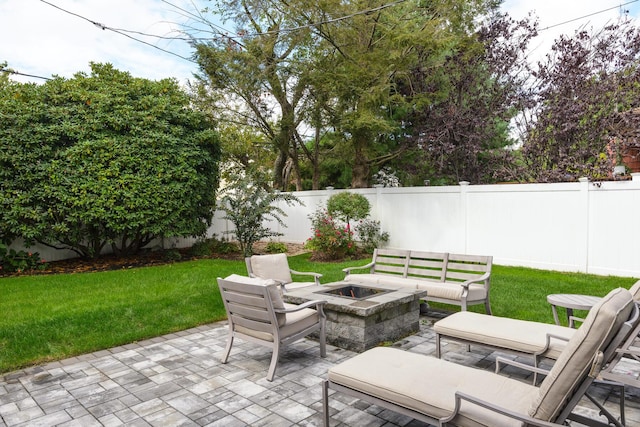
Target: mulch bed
(146, 259)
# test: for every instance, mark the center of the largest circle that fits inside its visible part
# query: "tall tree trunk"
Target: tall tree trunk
(360, 172)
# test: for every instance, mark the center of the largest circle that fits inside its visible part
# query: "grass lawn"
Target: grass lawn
(51, 317)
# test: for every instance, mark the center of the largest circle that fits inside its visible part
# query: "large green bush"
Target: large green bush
(104, 160)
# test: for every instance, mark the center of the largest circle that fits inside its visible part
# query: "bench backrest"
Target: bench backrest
(461, 268)
(390, 261)
(428, 265)
(434, 266)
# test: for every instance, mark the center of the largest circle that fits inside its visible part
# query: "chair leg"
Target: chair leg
(227, 350)
(438, 346)
(487, 306)
(274, 361)
(325, 403)
(323, 339)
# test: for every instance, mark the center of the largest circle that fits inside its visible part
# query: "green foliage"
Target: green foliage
(275, 248)
(12, 261)
(104, 160)
(348, 206)
(370, 236)
(212, 246)
(331, 240)
(248, 204)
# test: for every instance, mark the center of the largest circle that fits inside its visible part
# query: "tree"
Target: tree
(382, 65)
(104, 160)
(4, 74)
(248, 203)
(257, 78)
(461, 134)
(581, 87)
(348, 206)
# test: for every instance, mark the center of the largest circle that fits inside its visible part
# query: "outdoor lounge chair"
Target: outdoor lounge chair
(276, 267)
(256, 313)
(445, 393)
(513, 335)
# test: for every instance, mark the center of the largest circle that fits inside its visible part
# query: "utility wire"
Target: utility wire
(104, 27)
(18, 73)
(589, 15)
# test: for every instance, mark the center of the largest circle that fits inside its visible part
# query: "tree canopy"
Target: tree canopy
(104, 159)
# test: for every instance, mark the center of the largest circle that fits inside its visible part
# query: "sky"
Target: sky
(40, 39)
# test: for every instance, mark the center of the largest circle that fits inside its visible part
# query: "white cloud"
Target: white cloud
(42, 40)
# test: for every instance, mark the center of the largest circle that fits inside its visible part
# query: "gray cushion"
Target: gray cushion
(274, 292)
(428, 385)
(274, 267)
(598, 329)
(514, 334)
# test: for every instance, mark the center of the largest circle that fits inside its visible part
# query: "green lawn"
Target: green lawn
(50, 317)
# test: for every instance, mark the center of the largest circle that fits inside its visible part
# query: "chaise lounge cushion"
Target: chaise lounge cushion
(401, 382)
(597, 331)
(514, 334)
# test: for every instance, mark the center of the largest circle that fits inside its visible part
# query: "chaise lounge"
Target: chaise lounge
(444, 393)
(536, 339)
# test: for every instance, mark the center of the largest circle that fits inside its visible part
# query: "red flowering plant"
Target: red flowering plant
(332, 239)
(12, 261)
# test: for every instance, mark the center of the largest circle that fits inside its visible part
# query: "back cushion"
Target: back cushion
(274, 267)
(274, 292)
(573, 365)
(635, 291)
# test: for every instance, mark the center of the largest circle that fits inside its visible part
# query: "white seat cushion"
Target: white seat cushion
(513, 334)
(428, 385)
(451, 290)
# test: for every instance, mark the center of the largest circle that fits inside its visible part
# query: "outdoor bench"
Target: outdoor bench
(456, 279)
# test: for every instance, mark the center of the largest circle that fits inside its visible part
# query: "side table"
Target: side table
(570, 302)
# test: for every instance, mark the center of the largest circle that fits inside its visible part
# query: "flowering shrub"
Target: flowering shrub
(370, 236)
(331, 239)
(12, 261)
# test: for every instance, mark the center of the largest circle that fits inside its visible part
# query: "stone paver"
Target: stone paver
(177, 380)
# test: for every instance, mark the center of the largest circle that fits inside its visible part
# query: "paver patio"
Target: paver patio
(178, 380)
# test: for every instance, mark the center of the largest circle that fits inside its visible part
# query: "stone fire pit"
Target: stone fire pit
(361, 317)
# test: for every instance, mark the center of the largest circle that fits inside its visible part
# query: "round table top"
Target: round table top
(575, 301)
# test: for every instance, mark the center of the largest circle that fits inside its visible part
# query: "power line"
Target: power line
(588, 16)
(122, 33)
(18, 73)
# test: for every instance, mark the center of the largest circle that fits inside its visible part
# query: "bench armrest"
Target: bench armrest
(316, 276)
(484, 278)
(495, 408)
(347, 270)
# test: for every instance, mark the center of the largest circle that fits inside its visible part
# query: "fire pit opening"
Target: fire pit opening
(355, 292)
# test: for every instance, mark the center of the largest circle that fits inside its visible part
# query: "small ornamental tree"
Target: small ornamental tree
(248, 205)
(332, 237)
(104, 160)
(348, 207)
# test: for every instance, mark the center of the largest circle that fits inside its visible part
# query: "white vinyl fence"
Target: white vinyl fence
(583, 226)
